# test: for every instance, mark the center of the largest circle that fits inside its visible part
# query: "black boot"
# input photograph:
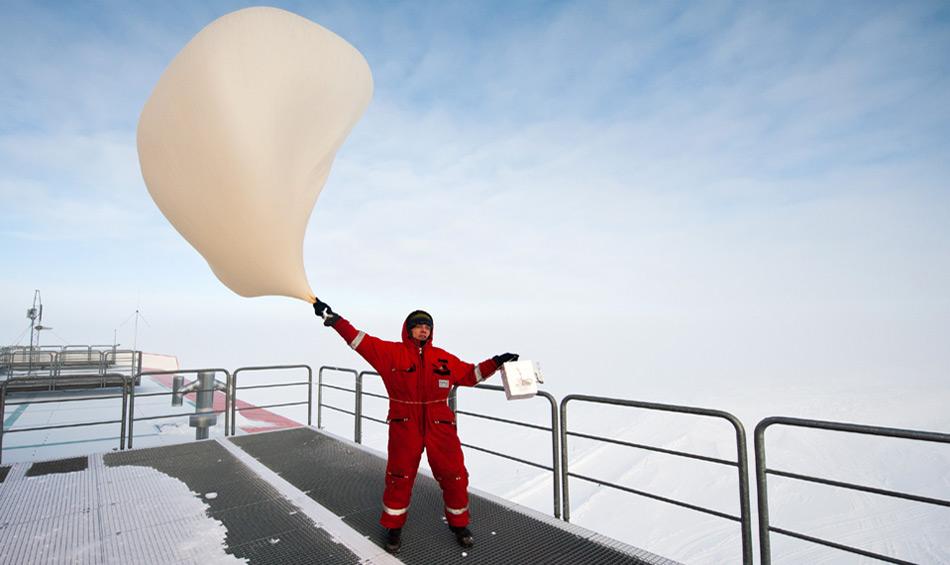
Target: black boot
(393, 540)
(463, 536)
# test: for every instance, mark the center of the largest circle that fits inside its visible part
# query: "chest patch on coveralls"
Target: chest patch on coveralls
(443, 383)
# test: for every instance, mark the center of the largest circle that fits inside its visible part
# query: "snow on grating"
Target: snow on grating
(150, 506)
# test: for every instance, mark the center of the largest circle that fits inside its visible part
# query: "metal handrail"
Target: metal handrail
(126, 386)
(344, 389)
(761, 470)
(340, 410)
(27, 359)
(234, 388)
(80, 357)
(320, 386)
(741, 462)
(136, 357)
(358, 417)
(358, 409)
(66, 365)
(555, 467)
(77, 359)
(137, 378)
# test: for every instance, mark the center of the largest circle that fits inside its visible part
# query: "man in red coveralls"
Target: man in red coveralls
(418, 378)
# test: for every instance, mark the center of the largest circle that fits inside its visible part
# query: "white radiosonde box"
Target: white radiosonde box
(521, 379)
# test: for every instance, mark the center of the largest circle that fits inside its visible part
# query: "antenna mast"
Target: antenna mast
(35, 314)
(135, 335)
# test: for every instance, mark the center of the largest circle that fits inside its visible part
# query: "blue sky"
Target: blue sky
(683, 193)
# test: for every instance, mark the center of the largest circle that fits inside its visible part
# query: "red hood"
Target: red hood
(405, 332)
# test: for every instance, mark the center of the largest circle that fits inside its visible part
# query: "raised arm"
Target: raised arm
(373, 349)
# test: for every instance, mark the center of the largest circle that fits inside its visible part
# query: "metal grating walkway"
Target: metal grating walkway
(297, 496)
(347, 479)
(191, 503)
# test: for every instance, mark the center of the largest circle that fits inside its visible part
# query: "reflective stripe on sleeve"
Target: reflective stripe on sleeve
(456, 511)
(478, 375)
(356, 340)
(392, 512)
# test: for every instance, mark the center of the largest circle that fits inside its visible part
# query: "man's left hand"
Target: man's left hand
(323, 310)
(504, 358)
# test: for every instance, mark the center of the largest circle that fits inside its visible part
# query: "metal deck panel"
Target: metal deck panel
(71, 538)
(348, 479)
(189, 503)
(30, 499)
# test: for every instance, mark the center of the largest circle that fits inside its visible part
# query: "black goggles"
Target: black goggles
(419, 321)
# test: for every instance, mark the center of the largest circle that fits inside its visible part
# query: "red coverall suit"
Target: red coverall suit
(418, 381)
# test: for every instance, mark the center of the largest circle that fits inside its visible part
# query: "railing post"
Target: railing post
(565, 492)
(234, 400)
(52, 380)
(131, 412)
(227, 404)
(358, 410)
(762, 491)
(3, 408)
(309, 395)
(320, 398)
(125, 407)
(555, 463)
(745, 512)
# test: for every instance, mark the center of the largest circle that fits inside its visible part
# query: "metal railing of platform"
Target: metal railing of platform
(359, 416)
(560, 464)
(761, 472)
(555, 467)
(741, 462)
(68, 366)
(128, 397)
(126, 387)
(234, 388)
(320, 387)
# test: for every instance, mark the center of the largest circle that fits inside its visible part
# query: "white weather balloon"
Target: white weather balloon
(237, 140)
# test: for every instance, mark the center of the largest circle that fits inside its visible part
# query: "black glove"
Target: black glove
(504, 358)
(323, 310)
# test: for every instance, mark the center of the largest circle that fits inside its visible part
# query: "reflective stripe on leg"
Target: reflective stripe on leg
(395, 512)
(456, 511)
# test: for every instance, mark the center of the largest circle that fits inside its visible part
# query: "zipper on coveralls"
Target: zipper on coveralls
(421, 387)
